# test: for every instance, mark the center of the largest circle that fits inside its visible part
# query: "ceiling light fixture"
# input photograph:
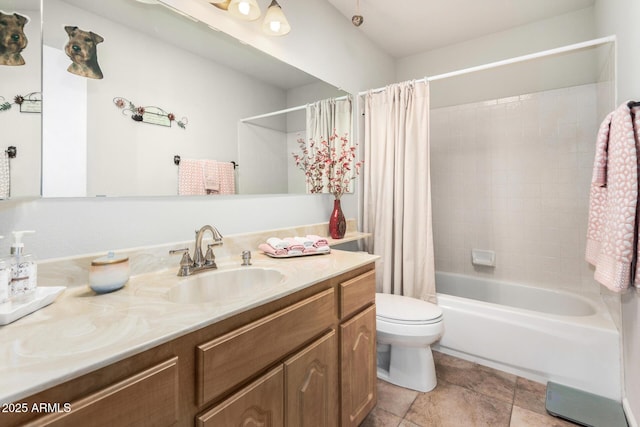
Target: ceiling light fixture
(220, 4)
(357, 19)
(247, 10)
(275, 23)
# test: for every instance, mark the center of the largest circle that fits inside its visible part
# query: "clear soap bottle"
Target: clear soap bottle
(24, 270)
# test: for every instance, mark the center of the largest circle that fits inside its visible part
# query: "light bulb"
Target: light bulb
(275, 23)
(244, 8)
(275, 26)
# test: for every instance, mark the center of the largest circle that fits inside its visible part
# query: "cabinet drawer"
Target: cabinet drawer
(234, 357)
(149, 398)
(357, 293)
(258, 404)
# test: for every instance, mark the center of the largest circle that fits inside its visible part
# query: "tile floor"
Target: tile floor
(467, 395)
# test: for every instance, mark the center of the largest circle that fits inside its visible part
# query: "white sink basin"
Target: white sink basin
(225, 286)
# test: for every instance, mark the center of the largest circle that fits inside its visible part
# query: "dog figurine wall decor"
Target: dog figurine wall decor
(12, 38)
(82, 50)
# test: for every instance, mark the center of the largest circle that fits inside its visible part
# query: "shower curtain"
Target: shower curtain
(325, 117)
(397, 189)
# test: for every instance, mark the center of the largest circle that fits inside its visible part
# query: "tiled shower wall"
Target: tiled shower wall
(512, 175)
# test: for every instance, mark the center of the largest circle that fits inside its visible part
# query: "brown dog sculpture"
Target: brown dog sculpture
(12, 38)
(81, 48)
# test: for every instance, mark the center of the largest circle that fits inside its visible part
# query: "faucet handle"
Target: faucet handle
(185, 262)
(183, 251)
(210, 257)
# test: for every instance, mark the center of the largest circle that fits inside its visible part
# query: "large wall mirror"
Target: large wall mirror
(20, 98)
(130, 89)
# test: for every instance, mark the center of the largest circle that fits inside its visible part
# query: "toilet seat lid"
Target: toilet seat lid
(401, 309)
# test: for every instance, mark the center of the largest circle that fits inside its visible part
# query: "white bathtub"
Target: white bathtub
(540, 334)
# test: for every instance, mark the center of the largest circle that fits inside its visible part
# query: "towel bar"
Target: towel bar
(176, 161)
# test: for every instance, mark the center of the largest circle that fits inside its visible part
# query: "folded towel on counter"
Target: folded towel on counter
(278, 243)
(323, 249)
(265, 247)
(307, 243)
(294, 244)
(317, 240)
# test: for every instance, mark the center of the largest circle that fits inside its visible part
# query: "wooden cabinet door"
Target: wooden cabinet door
(260, 404)
(311, 385)
(358, 368)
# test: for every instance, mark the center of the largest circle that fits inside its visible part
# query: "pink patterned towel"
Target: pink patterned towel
(226, 178)
(201, 177)
(613, 201)
(190, 178)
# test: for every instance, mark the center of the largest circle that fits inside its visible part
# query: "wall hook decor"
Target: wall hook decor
(29, 103)
(150, 114)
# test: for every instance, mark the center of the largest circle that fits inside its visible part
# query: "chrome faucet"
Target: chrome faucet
(199, 263)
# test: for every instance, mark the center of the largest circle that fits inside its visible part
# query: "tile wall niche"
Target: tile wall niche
(512, 175)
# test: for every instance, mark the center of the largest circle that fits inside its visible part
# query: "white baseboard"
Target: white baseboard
(631, 419)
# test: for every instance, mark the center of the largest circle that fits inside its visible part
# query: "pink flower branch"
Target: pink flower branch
(325, 165)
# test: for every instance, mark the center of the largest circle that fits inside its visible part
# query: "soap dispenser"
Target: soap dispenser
(24, 270)
(5, 278)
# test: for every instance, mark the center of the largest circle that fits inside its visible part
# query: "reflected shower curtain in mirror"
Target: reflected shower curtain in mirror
(397, 189)
(326, 116)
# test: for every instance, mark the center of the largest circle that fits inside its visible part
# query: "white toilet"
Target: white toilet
(406, 327)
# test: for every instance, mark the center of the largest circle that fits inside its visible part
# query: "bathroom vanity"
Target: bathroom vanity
(301, 353)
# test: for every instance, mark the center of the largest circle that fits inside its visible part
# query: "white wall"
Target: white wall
(75, 226)
(263, 157)
(557, 31)
(620, 17)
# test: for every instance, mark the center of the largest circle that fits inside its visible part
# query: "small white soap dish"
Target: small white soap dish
(483, 257)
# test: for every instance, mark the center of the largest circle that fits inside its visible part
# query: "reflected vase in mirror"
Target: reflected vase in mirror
(337, 221)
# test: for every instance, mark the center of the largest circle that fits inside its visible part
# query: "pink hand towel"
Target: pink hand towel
(317, 240)
(323, 249)
(190, 178)
(294, 245)
(267, 248)
(613, 201)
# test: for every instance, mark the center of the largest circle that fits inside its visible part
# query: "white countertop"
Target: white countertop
(82, 331)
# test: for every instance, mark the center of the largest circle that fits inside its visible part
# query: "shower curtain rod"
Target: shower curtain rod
(509, 61)
(288, 110)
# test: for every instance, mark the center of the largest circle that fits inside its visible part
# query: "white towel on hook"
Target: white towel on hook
(5, 176)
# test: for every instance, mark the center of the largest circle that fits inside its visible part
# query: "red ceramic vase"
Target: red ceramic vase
(337, 222)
